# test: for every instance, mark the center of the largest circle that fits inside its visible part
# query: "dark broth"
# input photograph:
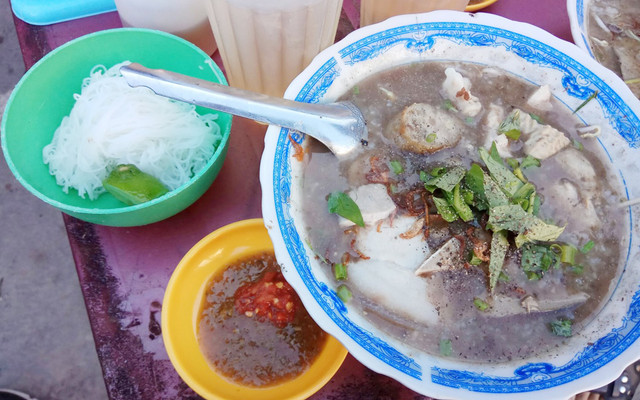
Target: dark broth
(473, 334)
(256, 348)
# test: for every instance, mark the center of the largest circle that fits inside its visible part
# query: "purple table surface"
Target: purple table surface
(123, 271)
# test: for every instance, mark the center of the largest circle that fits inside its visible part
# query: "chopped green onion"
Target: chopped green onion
(480, 304)
(584, 103)
(431, 137)
(587, 247)
(567, 252)
(561, 327)
(438, 171)
(340, 203)
(344, 293)
(536, 118)
(448, 105)
(340, 271)
(446, 349)
(397, 167)
(513, 163)
(356, 90)
(577, 144)
(576, 269)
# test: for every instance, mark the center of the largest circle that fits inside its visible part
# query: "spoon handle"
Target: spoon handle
(339, 126)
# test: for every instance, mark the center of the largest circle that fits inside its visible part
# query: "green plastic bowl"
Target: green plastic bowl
(45, 95)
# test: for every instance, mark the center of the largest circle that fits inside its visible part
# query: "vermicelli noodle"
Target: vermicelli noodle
(112, 123)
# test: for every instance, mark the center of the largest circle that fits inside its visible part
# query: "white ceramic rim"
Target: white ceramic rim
(577, 10)
(456, 385)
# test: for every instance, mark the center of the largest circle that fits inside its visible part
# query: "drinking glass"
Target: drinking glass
(264, 44)
(184, 18)
(372, 11)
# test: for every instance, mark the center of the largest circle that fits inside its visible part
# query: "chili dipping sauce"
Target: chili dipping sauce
(253, 328)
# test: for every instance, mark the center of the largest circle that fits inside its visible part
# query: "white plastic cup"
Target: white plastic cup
(265, 44)
(184, 18)
(372, 11)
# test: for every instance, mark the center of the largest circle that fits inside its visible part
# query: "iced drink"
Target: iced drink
(372, 11)
(264, 44)
(184, 18)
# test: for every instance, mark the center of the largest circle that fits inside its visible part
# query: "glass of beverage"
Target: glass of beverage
(264, 44)
(372, 11)
(184, 18)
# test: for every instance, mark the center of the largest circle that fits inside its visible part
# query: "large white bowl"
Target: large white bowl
(592, 358)
(577, 10)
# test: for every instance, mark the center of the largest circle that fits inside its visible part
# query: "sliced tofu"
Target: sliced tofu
(566, 195)
(579, 170)
(541, 141)
(447, 257)
(541, 98)
(394, 288)
(374, 203)
(458, 89)
(422, 128)
(406, 253)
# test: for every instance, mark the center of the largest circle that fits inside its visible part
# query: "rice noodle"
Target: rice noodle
(112, 123)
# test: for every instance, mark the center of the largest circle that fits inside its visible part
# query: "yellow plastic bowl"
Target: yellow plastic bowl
(479, 5)
(180, 309)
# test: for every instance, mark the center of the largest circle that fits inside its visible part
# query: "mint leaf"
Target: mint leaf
(499, 247)
(444, 209)
(506, 180)
(340, 203)
(510, 127)
(448, 180)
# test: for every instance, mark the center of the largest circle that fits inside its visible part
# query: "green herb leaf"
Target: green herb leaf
(444, 209)
(494, 195)
(535, 260)
(448, 180)
(474, 259)
(506, 180)
(584, 103)
(510, 127)
(344, 293)
(397, 167)
(513, 218)
(340, 271)
(499, 247)
(461, 206)
(512, 162)
(480, 304)
(474, 181)
(587, 247)
(340, 203)
(561, 327)
(446, 348)
(529, 161)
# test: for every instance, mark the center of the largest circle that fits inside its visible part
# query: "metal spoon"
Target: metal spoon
(339, 126)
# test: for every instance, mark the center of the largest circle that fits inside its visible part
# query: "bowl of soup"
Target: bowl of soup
(482, 242)
(610, 32)
(235, 329)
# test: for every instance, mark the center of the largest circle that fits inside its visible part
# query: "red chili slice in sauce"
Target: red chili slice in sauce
(269, 299)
